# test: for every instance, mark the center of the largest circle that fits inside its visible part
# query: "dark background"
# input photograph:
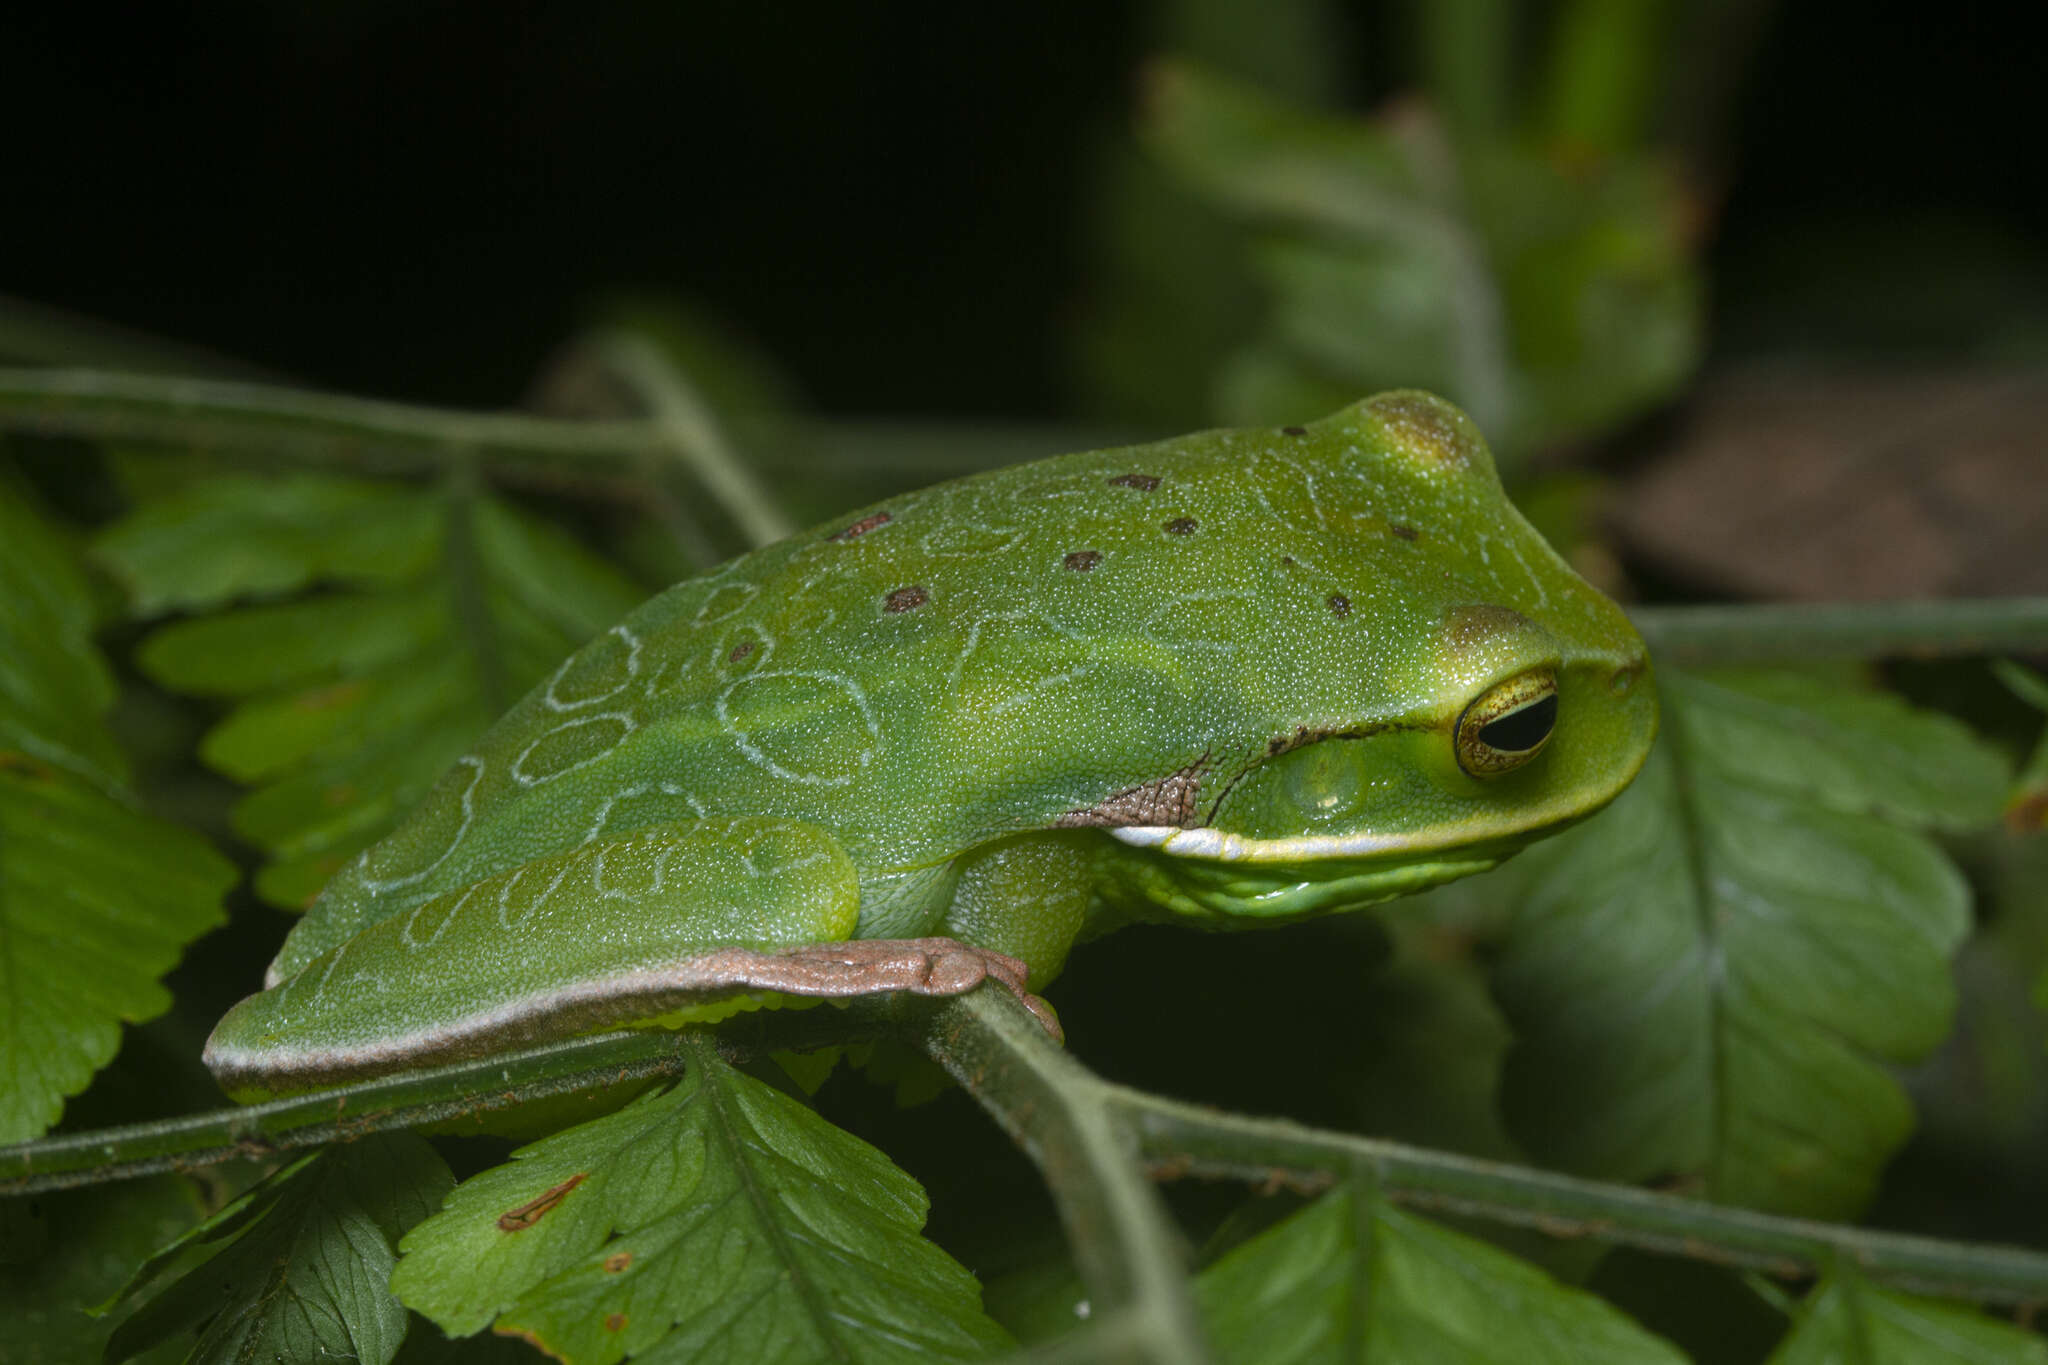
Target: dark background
(422, 200)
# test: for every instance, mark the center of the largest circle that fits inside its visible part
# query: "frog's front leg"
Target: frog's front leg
(1027, 897)
(878, 966)
(670, 924)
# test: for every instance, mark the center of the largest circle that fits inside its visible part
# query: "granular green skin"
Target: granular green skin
(1271, 632)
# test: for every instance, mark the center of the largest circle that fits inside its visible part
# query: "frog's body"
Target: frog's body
(1220, 678)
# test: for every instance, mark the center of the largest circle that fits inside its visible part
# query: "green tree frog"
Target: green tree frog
(1229, 680)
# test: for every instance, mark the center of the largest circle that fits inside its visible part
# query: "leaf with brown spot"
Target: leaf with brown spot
(1182, 526)
(1081, 561)
(1144, 483)
(720, 1210)
(906, 599)
(524, 1216)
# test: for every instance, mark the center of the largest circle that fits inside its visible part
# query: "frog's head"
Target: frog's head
(1507, 699)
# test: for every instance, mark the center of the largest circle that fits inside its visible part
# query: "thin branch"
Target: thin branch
(1011, 1066)
(1183, 1140)
(1761, 633)
(1088, 1136)
(460, 1090)
(694, 436)
(294, 423)
(1124, 1244)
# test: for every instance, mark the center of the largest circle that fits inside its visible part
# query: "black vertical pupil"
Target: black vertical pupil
(1523, 729)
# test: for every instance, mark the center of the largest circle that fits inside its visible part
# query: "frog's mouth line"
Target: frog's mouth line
(1215, 845)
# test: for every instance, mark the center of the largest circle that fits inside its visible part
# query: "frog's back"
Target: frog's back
(1005, 652)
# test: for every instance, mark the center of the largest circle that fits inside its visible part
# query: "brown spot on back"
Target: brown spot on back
(1144, 483)
(1340, 605)
(906, 599)
(1081, 561)
(861, 527)
(1428, 429)
(523, 1216)
(1404, 532)
(740, 651)
(1181, 526)
(1294, 431)
(617, 1261)
(1168, 801)
(614, 1322)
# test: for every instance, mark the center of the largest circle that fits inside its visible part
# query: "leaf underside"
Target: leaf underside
(717, 1220)
(303, 1263)
(1710, 980)
(1350, 1279)
(1847, 1321)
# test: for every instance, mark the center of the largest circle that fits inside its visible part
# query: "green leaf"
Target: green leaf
(97, 899)
(62, 1253)
(1709, 981)
(1847, 1319)
(719, 1220)
(351, 703)
(1548, 299)
(1349, 1278)
(2026, 807)
(243, 536)
(304, 1261)
(54, 686)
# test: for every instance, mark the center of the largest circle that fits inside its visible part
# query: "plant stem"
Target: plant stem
(341, 1115)
(694, 437)
(1187, 1140)
(1125, 1246)
(1088, 1136)
(274, 422)
(1763, 633)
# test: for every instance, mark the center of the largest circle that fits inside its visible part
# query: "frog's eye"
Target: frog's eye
(1507, 725)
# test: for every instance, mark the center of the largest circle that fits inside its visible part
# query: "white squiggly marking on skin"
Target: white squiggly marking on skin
(555, 703)
(1159, 625)
(379, 886)
(761, 759)
(638, 789)
(1036, 690)
(534, 906)
(1535, 580)
(974, 633)
(406, 935)
(723, 666)
(526, 779)
(320, 986)
(731, 597)
(964, 537)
